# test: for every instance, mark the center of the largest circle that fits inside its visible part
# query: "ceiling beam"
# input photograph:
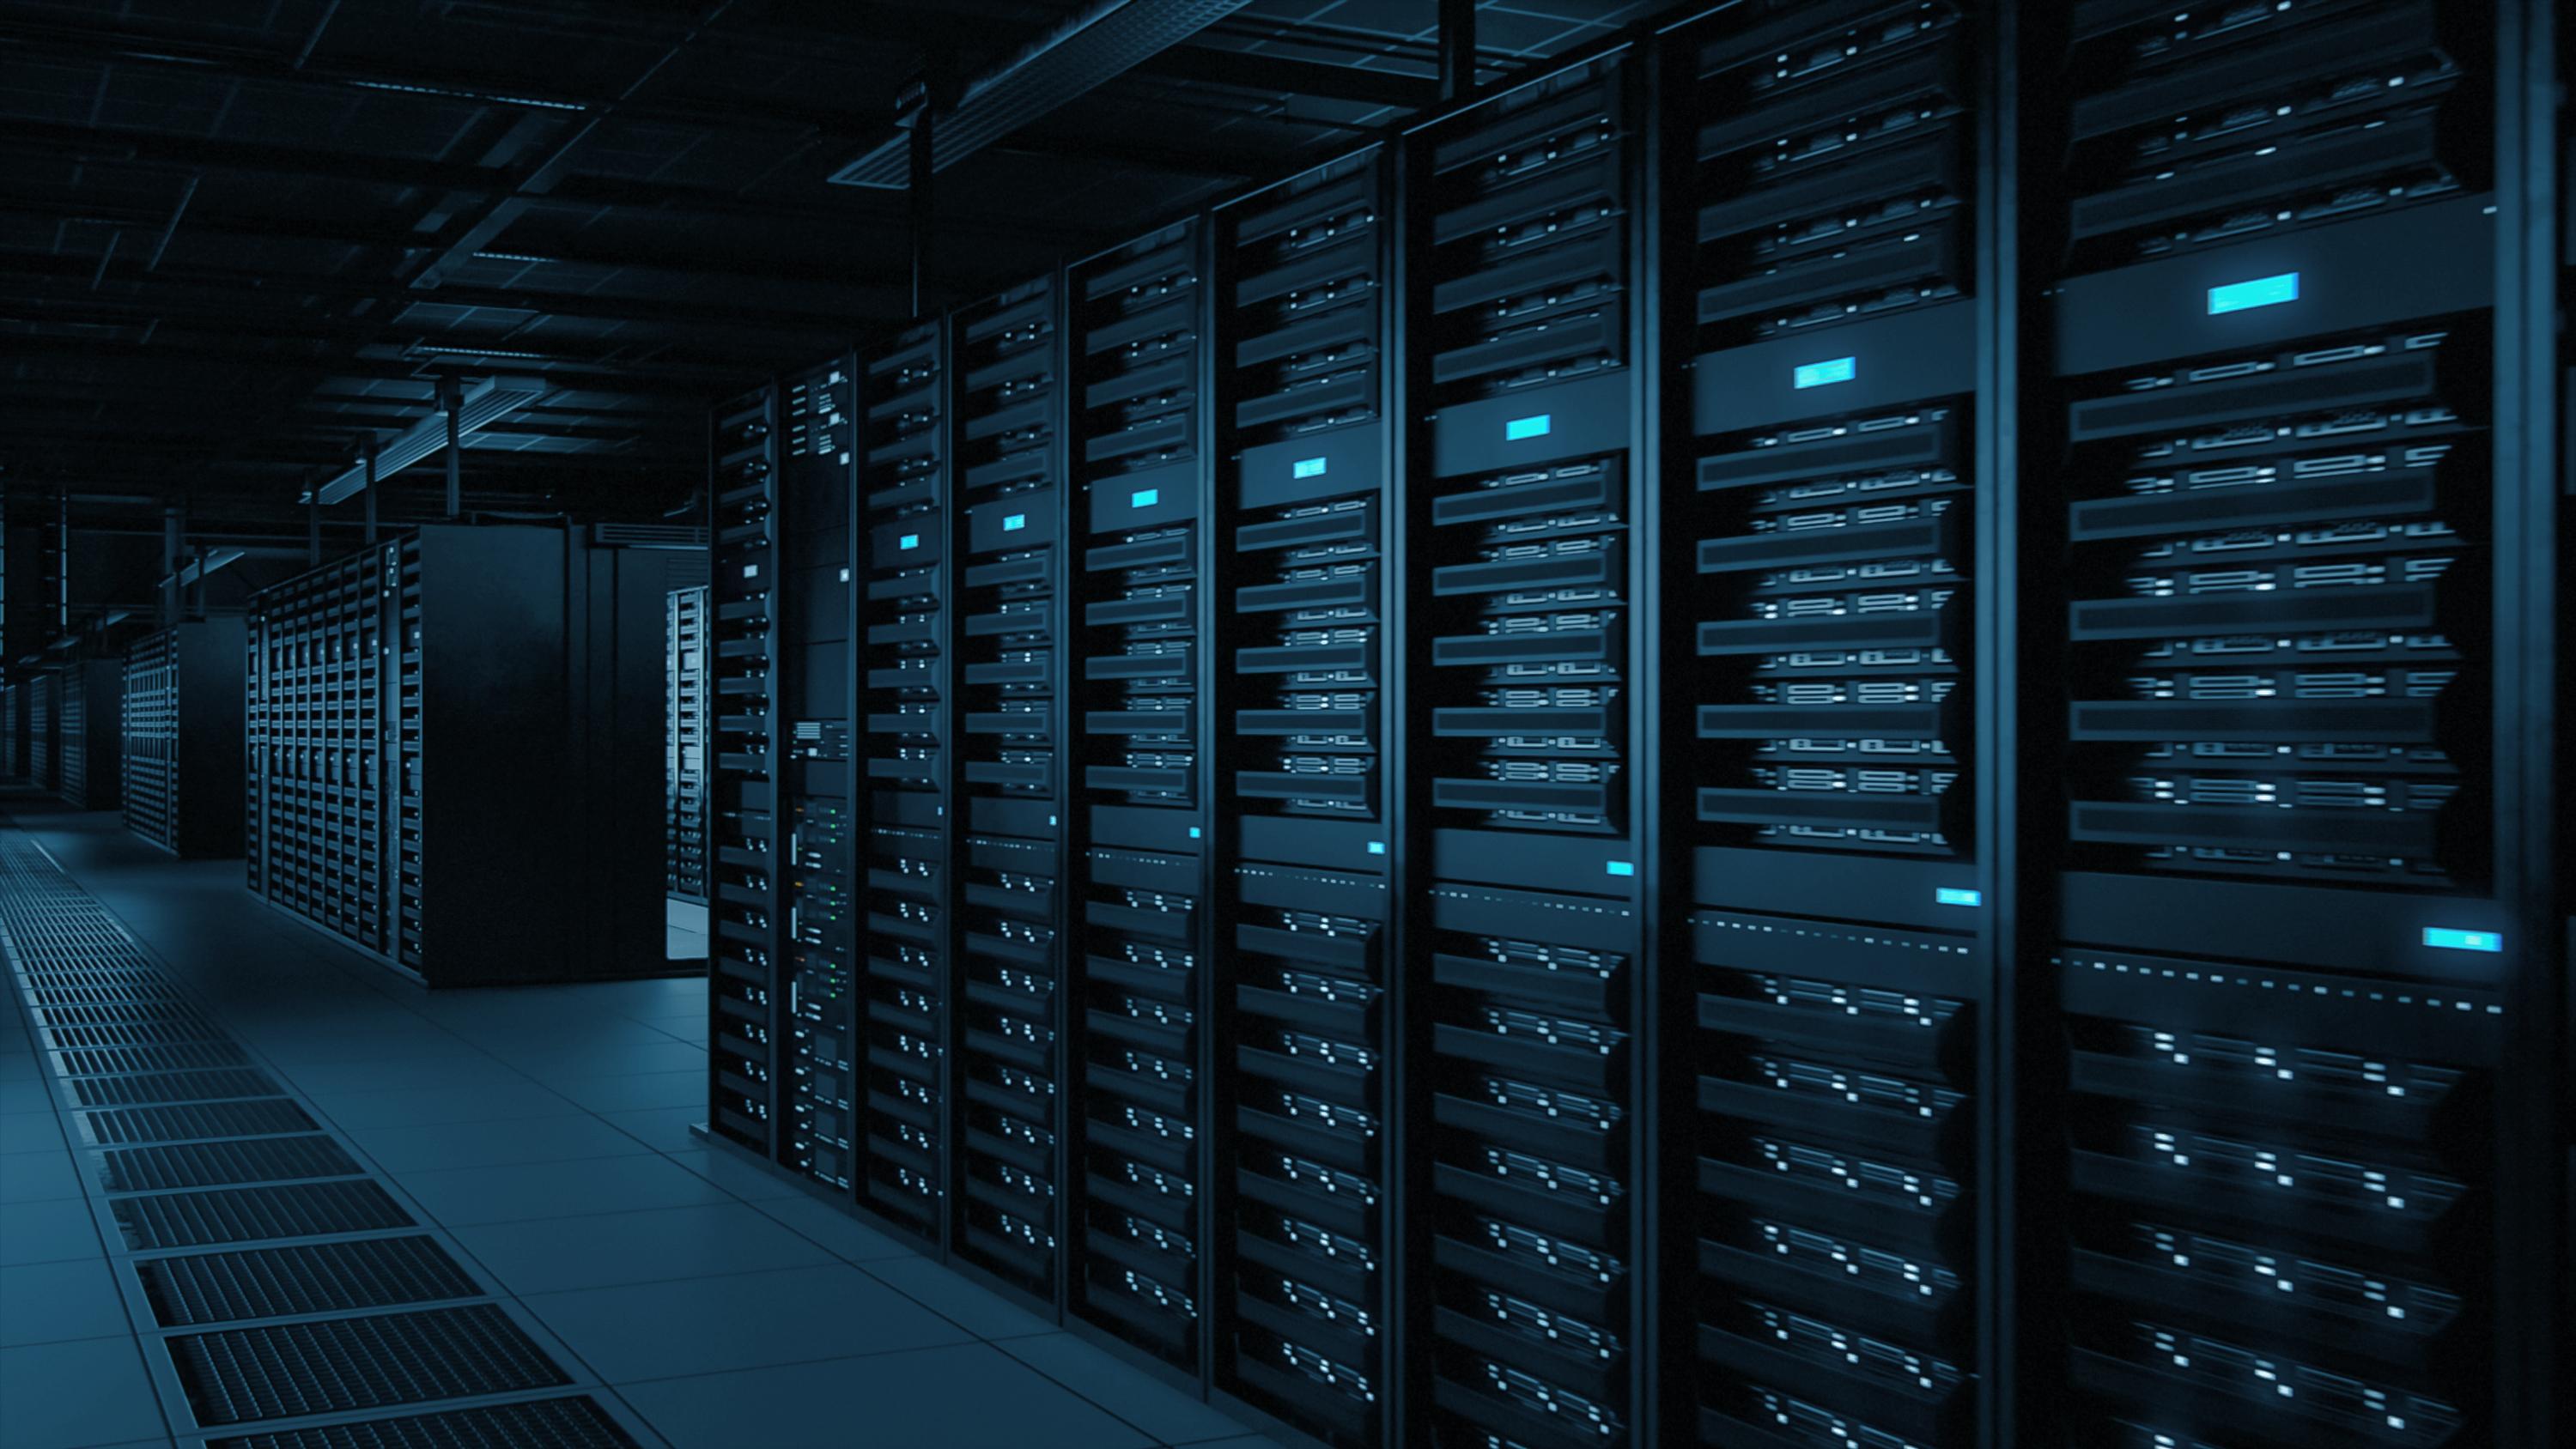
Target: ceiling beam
(1254, 70)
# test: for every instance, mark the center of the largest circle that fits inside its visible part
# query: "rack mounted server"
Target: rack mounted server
(183, 737)
(684, 744)
(38, 696)
(527, 664)
(1828, 731)
(13, 731)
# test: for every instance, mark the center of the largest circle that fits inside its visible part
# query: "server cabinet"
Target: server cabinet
(183, 737)
(1140, 1152)
(1004, 654)
(684, 745)
(1822, 516)
(13, 731)
(1302, 1065)
(1525, 663)
(514, 659)
(2284, 896)
(41, 731)
(811, 696)
(902, 1096)
(88, 731)
(744, 857)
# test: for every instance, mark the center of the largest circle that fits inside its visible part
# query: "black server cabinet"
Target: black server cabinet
(13, 731)
(1007, 725)
(684, 744)
(89, 733)
(42, 722)
(1821, 528)
(743, 853)
(1302, 1064)
(901, 1098)
(811, 696)
(1526, 661)
(183, 737)
(1141, 1139)
(447, 764)
(2285, 900)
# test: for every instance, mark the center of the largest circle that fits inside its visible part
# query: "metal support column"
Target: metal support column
(173, 529)
(367, 449)
(450, 397)
(1457, 50)
(920, 198)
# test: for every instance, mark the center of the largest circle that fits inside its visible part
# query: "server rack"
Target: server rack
(1303, 1060)
(810, 694)
(1875, 1094)
(1006, 703)
(13, 731)
(2286, 907)
(1821, 570)
(42, 725)
(1139, 1125)
(88, 729)
(743, 856)
(684, 745)
(183, 737)
(1528, 665)
(518, 660)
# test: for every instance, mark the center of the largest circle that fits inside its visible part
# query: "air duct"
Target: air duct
(486, 402)
(1077, 57)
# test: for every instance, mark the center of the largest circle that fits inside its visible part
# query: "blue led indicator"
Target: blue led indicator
(1530, 427)
(1818, 374)
(1308, 468)
(1953, 896)
(2260, 292)
(909, 540)
(1621, 867)
(2450, 940)
(1194, 832)
(1377, 847)
(1015, 523)
(1144, 497)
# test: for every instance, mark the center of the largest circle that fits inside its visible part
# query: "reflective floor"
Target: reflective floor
(544, 1134)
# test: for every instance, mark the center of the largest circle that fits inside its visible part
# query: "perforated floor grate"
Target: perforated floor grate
(121, 1061)
(572, 1423)
(259, 1117)
(215, 1164)
(254, 1214)
(132, 1034)
(58, 1016)
(294, 1369)
(307, 1278)
(172, 1087)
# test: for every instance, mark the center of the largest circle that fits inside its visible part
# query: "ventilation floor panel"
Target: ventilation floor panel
(256, 1214)
(296, 1369)
(566, 1423)
(308, 1278)
(219, 1164)
(194, 1122)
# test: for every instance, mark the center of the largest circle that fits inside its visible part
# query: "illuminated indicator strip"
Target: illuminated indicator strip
(1307, 468)
(1820, 374)
(1144, 497)
(2447, 939)
(1015, 523)
(1530, 427)
(2260, 292)
(909, 540)
(1953, 896)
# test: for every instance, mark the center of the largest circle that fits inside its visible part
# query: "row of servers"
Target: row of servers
(183, 737)
(13, 731)
(684, 744)
(60, 730)
(529, 665)
(1772, 743)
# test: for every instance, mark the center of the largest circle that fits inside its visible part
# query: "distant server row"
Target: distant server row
(453, 750)
(59, 732)
(1770, 744)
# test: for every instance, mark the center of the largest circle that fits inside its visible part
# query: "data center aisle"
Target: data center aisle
(542, 1135)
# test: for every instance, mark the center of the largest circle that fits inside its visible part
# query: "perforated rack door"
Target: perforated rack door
(1306, 1318)
(1525, 661)
(151, 729)
(685, 744)
(1141, 990)
(1821, 529)
(2274, 389)
(903, 975)
(1011, 728)
(41, 728)
(745, 859)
